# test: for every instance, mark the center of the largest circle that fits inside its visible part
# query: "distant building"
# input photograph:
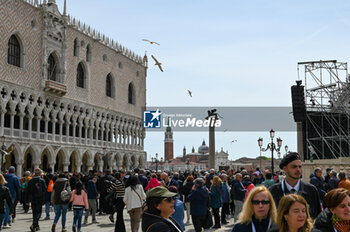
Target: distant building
(250, 164)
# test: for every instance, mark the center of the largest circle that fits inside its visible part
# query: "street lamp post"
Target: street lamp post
(271, 146)
(188, 164)
(156, 161)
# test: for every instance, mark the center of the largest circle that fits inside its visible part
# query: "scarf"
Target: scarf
(340, 225)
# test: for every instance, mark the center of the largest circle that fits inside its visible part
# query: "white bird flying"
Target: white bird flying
(151, 42)
(158, 63)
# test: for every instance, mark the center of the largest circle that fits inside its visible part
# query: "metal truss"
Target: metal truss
(327, 96)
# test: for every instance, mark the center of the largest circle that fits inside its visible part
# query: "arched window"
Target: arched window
(51, 68)
(80, 76)
(131, 94)
(109, 85)
(76, 48)
(14, 52)
(88, 53)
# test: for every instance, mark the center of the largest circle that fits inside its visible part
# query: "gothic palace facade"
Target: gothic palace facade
(70, 97)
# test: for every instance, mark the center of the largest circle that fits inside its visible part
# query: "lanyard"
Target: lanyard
(268, 227)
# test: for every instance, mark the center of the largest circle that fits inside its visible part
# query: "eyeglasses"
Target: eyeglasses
(169, 199)
(255, 202)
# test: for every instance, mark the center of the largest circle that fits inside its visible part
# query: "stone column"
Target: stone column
(74, 127)
(38, 118)
(2, 111)
(54, 129)
(100, 165)
(90, 165)
(78, 166)
(67, 131)
(30, 121)
(2, 122)
(66, 166)
(136, 163)
(46, 120)
(36, 164)
(22, 114)
(19, 164)
(46, 128)
(52, 165)
(12, 114)
(120, 164)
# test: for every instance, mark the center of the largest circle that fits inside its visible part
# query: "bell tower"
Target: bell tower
(168, 144)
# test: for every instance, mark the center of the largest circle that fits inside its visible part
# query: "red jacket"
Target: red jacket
(152, 183)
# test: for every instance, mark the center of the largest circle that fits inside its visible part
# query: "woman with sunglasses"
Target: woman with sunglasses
(293, 214)
(259, 212)
(159, 208)
(336, 217)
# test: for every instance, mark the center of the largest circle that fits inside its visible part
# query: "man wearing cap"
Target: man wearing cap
(14, 187)
(36, 189)
(291, 165)
(199, 201)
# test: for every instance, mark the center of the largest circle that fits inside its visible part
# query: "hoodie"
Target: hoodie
(154, 182)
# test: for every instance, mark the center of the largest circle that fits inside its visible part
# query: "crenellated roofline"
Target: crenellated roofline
(95, 34)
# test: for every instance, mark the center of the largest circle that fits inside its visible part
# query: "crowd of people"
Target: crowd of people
(164, 201)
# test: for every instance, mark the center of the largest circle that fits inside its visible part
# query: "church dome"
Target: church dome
(203, 149)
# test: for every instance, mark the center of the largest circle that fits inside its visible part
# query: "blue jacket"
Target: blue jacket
(13, 185)
(179, 214)
(215, 197)
(239, 191)
(317, 182)
(225, 197)
(199, 200)
(143, 180)
(91, 190)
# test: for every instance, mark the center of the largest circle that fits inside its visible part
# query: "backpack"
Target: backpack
(24, 186)
(38, 189)
(66, 193)
(50, 186)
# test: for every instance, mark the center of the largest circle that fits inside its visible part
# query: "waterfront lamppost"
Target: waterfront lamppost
(157, 161)
(271, 146)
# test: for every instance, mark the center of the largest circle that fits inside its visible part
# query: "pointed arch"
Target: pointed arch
(110, 87)
(52, 67)
(50, 152)
(88, 53)
(76, 48)
(15, 51)
(131, 93)
(81, 75)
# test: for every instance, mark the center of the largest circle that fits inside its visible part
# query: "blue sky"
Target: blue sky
(229, 53)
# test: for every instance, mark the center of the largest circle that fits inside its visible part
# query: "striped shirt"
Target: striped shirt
(118, 187)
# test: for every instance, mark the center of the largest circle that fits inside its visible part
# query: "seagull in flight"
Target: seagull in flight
(189, 92)
(234, 141)
(151, 42)
(158, 63)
